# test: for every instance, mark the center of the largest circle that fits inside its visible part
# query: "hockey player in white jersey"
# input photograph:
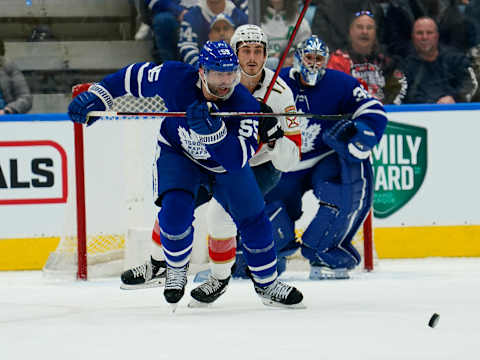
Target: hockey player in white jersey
(250, 44)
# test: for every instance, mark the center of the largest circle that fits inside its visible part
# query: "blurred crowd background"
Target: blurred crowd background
(402, 51)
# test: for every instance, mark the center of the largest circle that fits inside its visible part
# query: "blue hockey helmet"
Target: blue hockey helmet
(311, 58)
(220, 68)
(218, 56)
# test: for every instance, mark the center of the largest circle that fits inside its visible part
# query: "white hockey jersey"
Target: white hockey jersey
(286, 152)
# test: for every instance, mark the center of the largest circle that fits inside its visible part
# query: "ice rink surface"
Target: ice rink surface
(380, 315)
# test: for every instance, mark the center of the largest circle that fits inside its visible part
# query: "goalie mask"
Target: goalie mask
(249, 34)
(311, 58)
(218, 69)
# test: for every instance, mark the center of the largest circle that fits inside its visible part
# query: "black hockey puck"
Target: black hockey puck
(434, 320)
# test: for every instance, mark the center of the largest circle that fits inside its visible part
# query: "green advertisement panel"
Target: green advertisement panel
(400, 165)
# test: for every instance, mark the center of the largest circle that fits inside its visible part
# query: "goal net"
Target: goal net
(109, 228)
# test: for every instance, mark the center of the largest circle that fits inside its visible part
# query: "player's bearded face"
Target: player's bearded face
(221, 83)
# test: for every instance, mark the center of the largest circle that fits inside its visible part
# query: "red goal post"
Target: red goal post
(80, 251)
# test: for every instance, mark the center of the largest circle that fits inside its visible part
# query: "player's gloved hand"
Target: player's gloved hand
(82, 104)
(285, 154)
(269, 128)
(352, 141)
(200, 120)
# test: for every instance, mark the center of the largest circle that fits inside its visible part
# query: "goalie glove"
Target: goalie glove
(269, 128)
(82, 105)
(210, 129)
(352, 141)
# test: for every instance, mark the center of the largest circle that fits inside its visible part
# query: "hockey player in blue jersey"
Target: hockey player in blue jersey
(200, 150)
(335, 164)
(250, 44)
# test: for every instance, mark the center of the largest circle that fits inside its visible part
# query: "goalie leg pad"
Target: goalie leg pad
(328, 227)
(335, 258)
(342, 204)
(283, 226)
(283, 233)
(267, 176)
(364, 208)
(239, 269)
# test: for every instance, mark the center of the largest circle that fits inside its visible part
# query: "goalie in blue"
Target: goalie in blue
(335, 165)
(199, 150)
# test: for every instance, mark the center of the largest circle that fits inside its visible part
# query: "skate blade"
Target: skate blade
(149, 284)
(173, 307)
(274, 304)
(195, 304)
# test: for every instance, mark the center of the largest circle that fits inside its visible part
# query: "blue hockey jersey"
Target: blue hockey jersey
(195, 27)
(178, 84)
(335, 93)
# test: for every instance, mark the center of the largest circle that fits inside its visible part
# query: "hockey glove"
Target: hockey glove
(82, 105)
(200, 120)
(269, 128)
(352, 141)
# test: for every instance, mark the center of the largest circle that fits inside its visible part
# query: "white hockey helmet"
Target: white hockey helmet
(248, 33)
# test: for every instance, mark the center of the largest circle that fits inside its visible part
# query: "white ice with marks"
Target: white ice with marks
(381, 315)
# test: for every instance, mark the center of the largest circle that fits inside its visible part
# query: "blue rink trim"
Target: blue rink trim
(432, 107)
(34, 117)
(388, 108)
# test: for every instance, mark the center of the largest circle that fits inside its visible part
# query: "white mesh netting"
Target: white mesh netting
(106, 244)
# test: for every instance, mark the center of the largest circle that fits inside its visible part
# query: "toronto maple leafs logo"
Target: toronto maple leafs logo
(191, 143)
(309, 134)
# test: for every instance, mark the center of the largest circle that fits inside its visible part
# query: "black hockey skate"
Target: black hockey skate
(279, 294)
(209, 291)
(175, 282)
(148, 275)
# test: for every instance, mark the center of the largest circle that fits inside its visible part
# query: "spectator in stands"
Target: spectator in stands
(221, 28)
(166, 18)
(15, 97)
(196, 25)
(331, 21)
(475, 56)
(364, 60)
(436, 74)
(144, 16)
(278, 19)
(456, 29)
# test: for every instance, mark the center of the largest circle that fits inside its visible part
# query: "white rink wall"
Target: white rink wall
(119, 157)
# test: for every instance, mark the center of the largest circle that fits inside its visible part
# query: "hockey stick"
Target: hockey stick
(284, 56)
(114, 114)
(285, 52)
